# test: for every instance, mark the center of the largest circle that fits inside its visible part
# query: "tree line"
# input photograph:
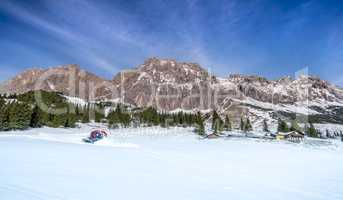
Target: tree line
(122, 117)
(18, 112)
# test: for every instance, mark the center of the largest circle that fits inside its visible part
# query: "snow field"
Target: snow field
(155, 163)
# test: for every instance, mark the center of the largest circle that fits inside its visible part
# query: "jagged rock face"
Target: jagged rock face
(166, 84)
(170, 71)
(169, 85)
(68, 79)
(284, 90)
(23, 82)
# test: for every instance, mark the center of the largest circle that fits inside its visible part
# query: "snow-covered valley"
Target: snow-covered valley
(155, 163)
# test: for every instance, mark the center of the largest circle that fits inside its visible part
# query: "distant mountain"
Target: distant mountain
(165, 84)
(68, 79)
(170, 85)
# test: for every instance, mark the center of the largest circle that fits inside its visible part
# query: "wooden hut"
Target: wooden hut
(212, 136)
(291, 136)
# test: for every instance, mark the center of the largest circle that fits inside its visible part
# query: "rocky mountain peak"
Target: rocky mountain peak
(315, 82)
(171, 71)
(285, 80)
(68, 79)
(29, 73)
(240, 78)
(68, 67)
(169, 85)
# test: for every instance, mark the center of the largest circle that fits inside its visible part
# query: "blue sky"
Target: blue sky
(270, 38)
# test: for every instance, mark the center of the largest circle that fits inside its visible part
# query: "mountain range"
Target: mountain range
(170, 86)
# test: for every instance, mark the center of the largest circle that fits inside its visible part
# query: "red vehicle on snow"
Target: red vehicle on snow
(96, 135)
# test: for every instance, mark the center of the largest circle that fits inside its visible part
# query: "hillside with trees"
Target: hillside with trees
(19, 112)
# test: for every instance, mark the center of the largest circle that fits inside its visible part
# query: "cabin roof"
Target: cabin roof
(292, 133)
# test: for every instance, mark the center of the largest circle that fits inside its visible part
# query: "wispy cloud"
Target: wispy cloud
(255, 36)
(85, 42)
(97, 30)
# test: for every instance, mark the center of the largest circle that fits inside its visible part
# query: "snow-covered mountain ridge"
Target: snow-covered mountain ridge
(170, 85)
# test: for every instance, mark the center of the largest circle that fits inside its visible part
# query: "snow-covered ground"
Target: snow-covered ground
(155, 163)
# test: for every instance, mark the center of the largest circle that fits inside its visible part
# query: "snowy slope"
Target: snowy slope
(155, 163)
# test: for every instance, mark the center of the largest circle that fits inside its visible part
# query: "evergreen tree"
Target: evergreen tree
(4, 118)
(242, 124)
(19, 116)
(79, 114)
(200, 127)
(247, 126)
(66, 123)
(265, 126)
(36, 120)
(217, 122)
(77, 110)
(295, 126)
(49, 120)
(156, 118)
(125, 119)
(311, 131)
(56, 121)
(282, 126)
(2, 102)
(217, 126)
(118, 109)
(227, 124)
(113, 120)
(85, 114)
(99, 114)
(148, 115)
(70, 119)
(164, 121)
(2, 113)
(215, 117)
(198, 117)
(118, 117)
